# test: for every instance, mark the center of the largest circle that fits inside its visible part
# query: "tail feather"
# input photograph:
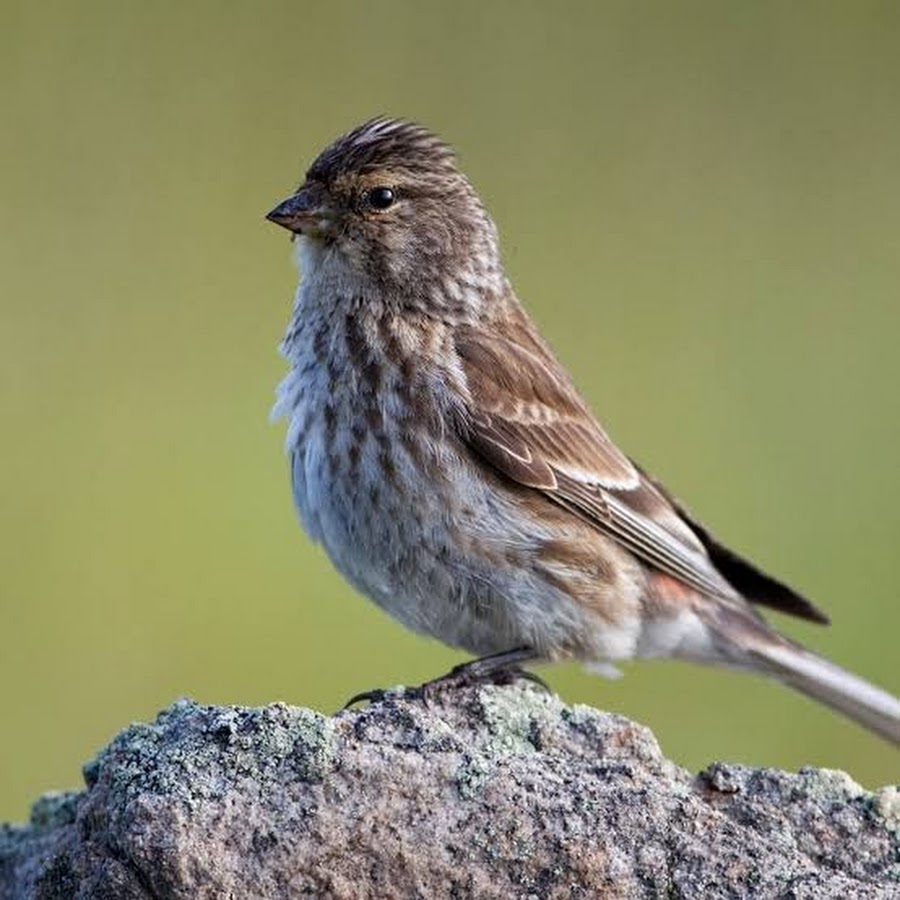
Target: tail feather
(828, 683)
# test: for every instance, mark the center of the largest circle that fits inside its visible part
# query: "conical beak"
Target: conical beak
(301, 212)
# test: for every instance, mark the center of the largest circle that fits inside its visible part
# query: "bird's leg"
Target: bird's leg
(478, 669)
(498, 668)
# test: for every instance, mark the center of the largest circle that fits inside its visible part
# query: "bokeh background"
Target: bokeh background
(700, 203)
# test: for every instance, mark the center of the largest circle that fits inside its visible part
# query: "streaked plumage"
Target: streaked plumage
(453, 473)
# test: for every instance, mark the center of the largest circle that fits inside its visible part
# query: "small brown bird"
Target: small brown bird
(443, 457)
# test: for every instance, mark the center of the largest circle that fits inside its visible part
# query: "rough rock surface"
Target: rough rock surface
(488, 792)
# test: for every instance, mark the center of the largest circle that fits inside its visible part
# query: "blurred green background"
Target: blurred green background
(700, 203)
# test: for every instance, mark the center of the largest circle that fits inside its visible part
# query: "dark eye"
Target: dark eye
(380, 197)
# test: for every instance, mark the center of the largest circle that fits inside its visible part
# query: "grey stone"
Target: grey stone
(487, 792)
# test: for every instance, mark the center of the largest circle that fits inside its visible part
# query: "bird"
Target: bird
(444, 459)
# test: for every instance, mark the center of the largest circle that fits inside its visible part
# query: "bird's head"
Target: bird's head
(388, 201)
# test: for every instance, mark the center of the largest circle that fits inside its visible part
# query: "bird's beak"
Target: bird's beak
(303, 213)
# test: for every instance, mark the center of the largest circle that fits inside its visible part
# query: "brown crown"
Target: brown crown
(383, 143)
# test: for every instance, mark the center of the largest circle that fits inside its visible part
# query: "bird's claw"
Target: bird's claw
(375, 695)
(499, 669)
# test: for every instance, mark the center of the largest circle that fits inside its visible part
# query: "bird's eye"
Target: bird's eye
(380, 197)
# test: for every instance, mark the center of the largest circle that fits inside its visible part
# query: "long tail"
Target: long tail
(822, 680)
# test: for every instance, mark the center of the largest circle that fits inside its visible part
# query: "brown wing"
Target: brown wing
(530, 423)
(527, 420)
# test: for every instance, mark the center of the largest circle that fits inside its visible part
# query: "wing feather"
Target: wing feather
(527, 420)
(523, 411)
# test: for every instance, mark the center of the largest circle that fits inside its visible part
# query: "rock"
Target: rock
(483, 792)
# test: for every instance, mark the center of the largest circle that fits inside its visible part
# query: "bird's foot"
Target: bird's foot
(500, 668)
(375, 695)
(463, 677)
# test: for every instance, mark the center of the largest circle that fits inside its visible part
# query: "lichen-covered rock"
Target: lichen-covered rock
(482, 792)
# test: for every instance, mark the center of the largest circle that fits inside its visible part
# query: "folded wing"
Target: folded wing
(527, 420)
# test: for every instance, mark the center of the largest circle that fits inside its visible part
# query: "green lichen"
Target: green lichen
(886, 808)
(472, 775)
(830, 785)
(579, 715)
(515, 715)
(313, 746)
(192, 752)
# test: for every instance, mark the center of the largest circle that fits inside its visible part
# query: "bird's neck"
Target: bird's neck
(331, 281)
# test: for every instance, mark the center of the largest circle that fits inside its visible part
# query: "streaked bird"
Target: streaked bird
(442, 456)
